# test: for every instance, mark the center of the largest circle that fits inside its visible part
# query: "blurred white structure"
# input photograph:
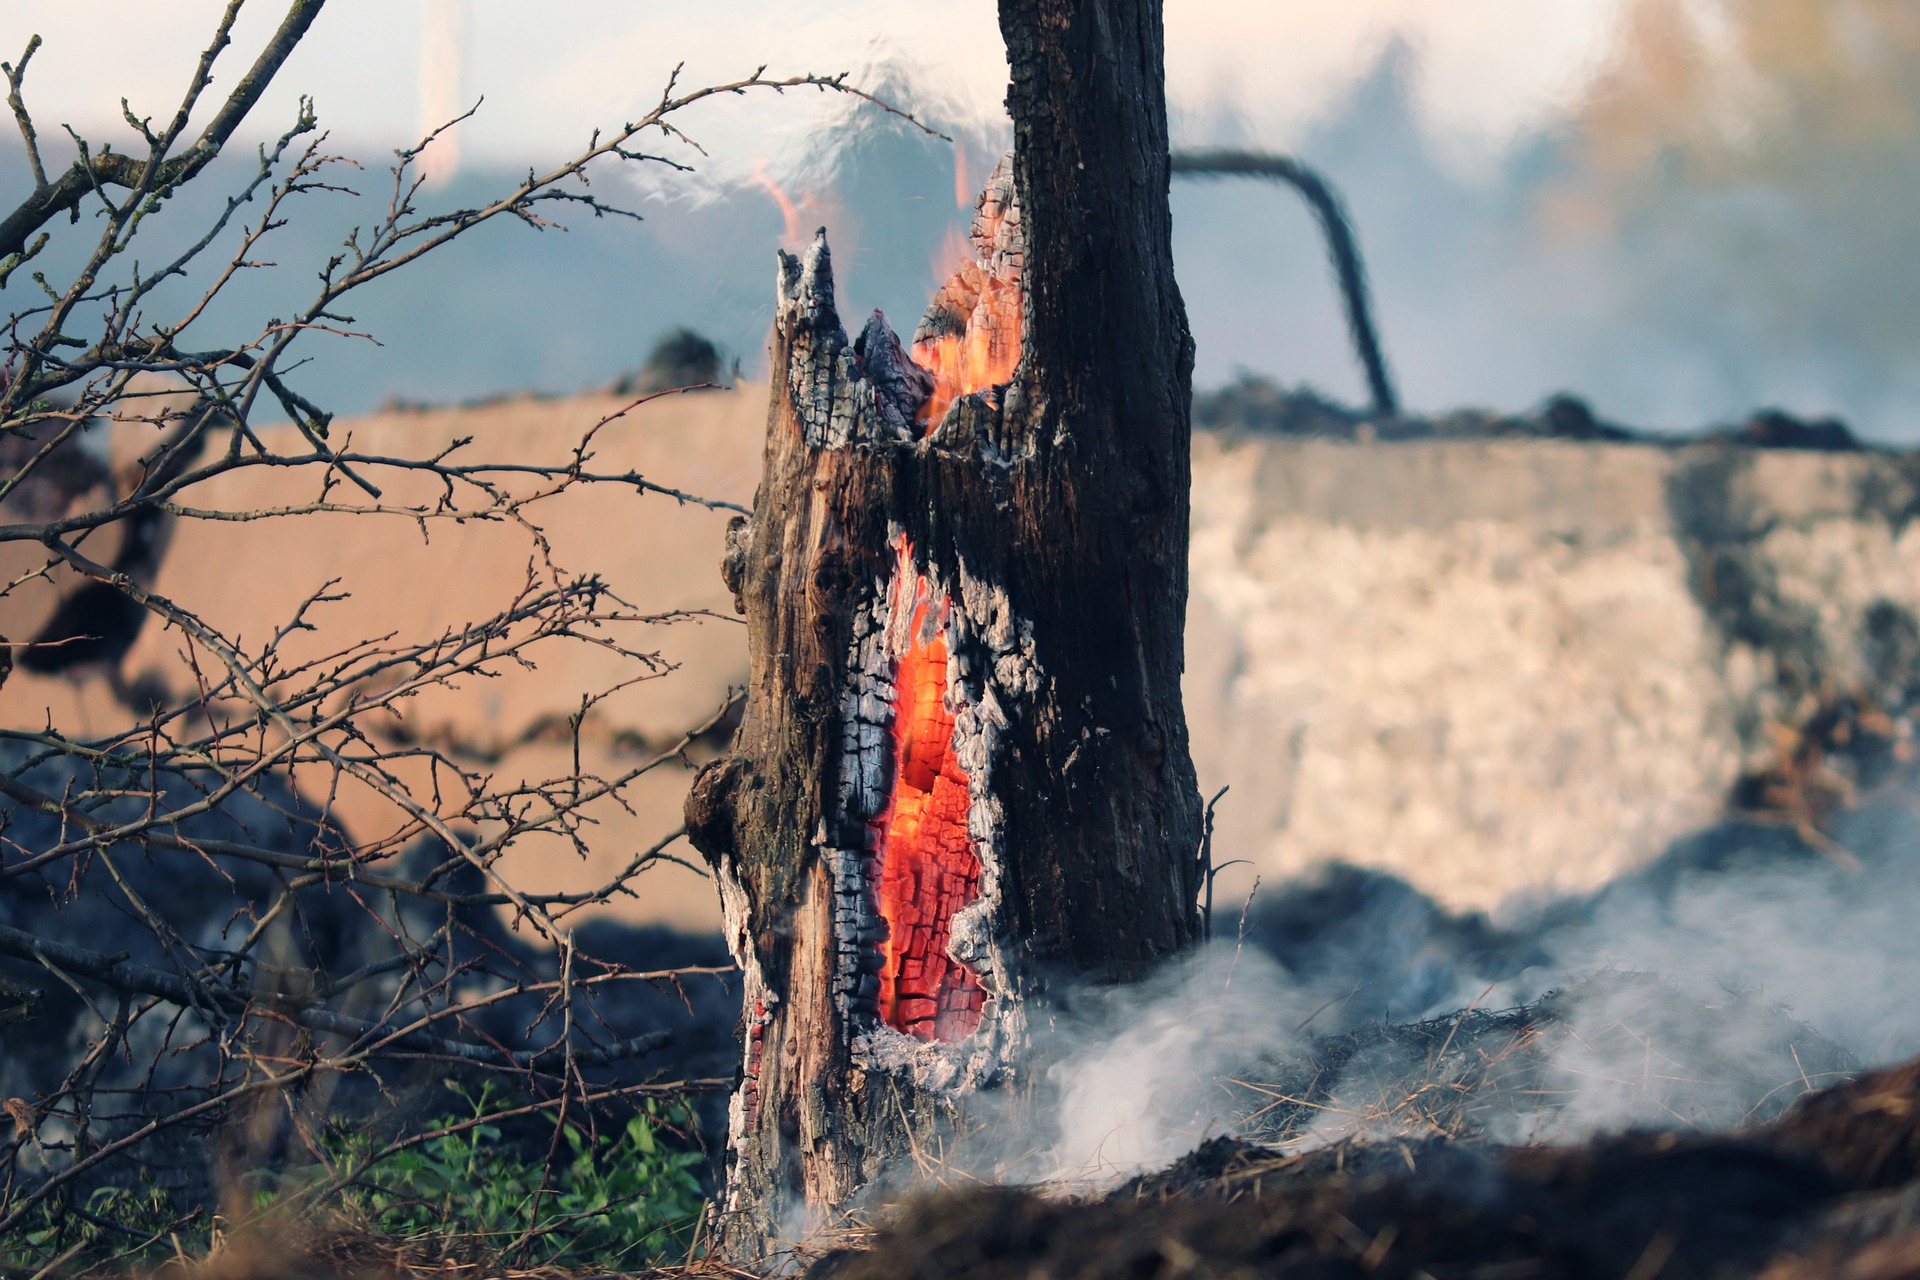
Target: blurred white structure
(441, 34)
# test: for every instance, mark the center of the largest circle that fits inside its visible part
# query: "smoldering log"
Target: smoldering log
(1014, 488)
(950, 778)
(865, 909)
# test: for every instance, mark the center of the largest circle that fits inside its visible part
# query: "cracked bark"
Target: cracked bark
(1038, 532)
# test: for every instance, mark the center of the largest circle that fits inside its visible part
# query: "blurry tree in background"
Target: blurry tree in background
(1766, 150)
(194, 951)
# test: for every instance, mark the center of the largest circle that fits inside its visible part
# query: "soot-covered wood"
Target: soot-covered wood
(1825, 1192)
(1051, 511)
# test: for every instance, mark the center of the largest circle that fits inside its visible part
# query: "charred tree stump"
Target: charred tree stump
(962, 771)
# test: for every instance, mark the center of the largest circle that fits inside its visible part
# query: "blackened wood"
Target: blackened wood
(1052, 512)
(1094, 540)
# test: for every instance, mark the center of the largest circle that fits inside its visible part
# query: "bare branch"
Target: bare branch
(15, 76)
(95, 173)
(393, 935)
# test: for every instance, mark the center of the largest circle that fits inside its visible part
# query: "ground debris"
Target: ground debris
(1831, 1188)
(1613, 1044)
(342, 1252)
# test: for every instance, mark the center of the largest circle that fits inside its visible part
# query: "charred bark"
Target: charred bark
(962, 772)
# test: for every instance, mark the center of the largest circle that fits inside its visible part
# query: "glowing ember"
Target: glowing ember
(928, 869)
(969, 339)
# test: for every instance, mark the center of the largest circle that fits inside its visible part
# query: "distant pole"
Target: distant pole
(442, 30)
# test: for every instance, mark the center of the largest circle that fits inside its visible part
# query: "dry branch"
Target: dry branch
(180, 897)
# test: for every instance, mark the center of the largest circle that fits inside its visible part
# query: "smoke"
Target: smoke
(1715, 221)
(1709, 990)
(1137, 1082)
(1826, 938)
(1716, 224)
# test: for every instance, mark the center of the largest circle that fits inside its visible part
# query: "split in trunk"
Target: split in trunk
(963, 767)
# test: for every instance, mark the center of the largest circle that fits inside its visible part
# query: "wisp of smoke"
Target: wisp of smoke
(1137, 1083)
(1707, 991)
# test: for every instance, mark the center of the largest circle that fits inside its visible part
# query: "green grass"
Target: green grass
(620, 1200)
(117, 1224)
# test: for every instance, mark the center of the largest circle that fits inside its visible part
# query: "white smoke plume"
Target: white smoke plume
(1138, 1084)
(1710, 990)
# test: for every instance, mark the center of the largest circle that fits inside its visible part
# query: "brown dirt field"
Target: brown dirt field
(654, 552)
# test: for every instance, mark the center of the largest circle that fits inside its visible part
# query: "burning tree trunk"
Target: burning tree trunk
(963, 768)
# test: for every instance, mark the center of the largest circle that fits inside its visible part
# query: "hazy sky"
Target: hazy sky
(1790, 287)
(1662, 323)
(1489, 67)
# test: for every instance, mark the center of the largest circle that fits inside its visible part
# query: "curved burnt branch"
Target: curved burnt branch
(1343, 249)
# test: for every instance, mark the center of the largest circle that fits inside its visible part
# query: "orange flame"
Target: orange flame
(790, 234)
(927, 866)
(975, 317)
(928, 869)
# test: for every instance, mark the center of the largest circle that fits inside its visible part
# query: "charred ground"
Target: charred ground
(1827, 1190)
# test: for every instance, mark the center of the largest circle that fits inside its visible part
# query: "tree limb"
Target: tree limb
(91, 173)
